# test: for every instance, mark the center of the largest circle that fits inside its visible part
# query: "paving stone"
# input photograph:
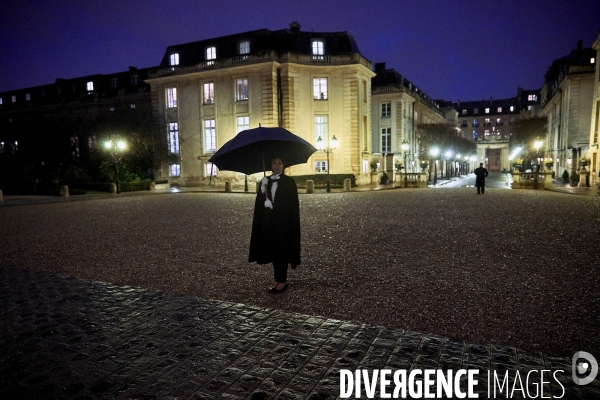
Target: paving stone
(68, 338)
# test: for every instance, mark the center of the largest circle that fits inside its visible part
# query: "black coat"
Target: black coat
(480, 173)
(279, 239)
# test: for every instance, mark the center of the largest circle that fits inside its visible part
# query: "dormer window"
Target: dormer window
(14, 99)
(135, 79)
(27, 96)
(211, 53)
(592, 60)
(487, 110)
(90, 86)
(318, 49)
(244, 47)
(476, 111)
(174, 59)
(114, 82)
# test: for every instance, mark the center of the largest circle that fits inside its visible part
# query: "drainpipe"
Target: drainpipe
(279, 100)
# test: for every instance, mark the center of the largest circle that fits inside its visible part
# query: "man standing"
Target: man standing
(480, 174)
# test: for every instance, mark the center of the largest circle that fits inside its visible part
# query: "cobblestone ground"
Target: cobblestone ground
(508, 280)
(67, 338)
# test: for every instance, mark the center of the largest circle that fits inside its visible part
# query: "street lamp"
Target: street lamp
(405, 148)
(434, 152)
(321, 146)
(116, 148)
(537, 144)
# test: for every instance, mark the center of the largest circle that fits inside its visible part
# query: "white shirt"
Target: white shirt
(263, 188)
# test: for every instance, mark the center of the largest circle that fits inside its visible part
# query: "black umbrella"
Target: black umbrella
(250, 149)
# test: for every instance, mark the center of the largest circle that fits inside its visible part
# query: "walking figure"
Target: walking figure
(480, 174)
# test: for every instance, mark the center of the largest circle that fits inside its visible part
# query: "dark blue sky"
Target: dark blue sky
(465, 50)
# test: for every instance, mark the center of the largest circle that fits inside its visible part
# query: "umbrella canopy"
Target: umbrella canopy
(251, 150)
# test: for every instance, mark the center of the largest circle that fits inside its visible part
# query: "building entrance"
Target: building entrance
(493, 160)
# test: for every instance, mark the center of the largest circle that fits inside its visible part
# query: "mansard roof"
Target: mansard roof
(262, 41)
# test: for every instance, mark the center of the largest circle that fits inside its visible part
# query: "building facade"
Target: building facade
(595, 121)
(317, 85)
(398, 107)
(566, 101)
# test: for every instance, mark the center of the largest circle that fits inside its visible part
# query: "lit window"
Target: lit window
(532, 97)
(318, 49)
(90, 86)
(486, 122)
(27, 96)
(1, 147)
(132, 106)
(320, 88)
(0, 101)
(320, 166)
(210, 145)
(499, 109)
(487, 110)
(173, 138)
(386, 140)
(476, 111)
(175, 170)
(171, 97)
(475, 123)
(241, 90)
(14, 99)
(210, 169)
(135, 79)
(592, 60)
(244, 47)
(174, 59)
(114, 82)
(529, 107)
(386, 110)
(15, 146)
(498, 121)
(486, 132)
(322, 128)
(464, 111)
(475, 135)
(211, 53)
(512, 108)
(209, 93)
(243, 123)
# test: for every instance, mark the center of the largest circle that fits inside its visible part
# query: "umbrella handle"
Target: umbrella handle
(264, 170)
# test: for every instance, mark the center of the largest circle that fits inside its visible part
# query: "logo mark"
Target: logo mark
(580, 367)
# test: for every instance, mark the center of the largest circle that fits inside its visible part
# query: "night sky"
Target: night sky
(467, 50)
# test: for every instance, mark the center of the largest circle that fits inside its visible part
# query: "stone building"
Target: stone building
(490, 124)
(595, 121)
(566, 100)
(48, 127)
(315, 84)
(398, 107)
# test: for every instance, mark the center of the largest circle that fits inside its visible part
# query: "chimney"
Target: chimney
(379, 67)
(295, 27)
(491, 100)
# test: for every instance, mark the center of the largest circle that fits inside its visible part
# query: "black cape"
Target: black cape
(278, 239)
(481, 173)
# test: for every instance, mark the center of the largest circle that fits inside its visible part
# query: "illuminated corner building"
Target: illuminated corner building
(44, 127)
(490, 124)
(567, 101)
(595, 122)
(398, 107)
(315, 84)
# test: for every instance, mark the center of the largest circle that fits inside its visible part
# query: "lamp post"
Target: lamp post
(434, 152)
(537, 144)
(116, 148)
(327, 149)
(405, 146)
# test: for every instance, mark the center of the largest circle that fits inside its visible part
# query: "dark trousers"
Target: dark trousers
(280, 271)
(482, 189)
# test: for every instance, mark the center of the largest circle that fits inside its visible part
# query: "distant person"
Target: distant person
(276, 225)
(480, 174)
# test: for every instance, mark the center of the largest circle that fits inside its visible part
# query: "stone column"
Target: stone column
(548, 182)
(152, 186)
(228, 186)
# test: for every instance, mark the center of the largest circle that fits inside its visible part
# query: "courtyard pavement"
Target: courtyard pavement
(67, 337)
